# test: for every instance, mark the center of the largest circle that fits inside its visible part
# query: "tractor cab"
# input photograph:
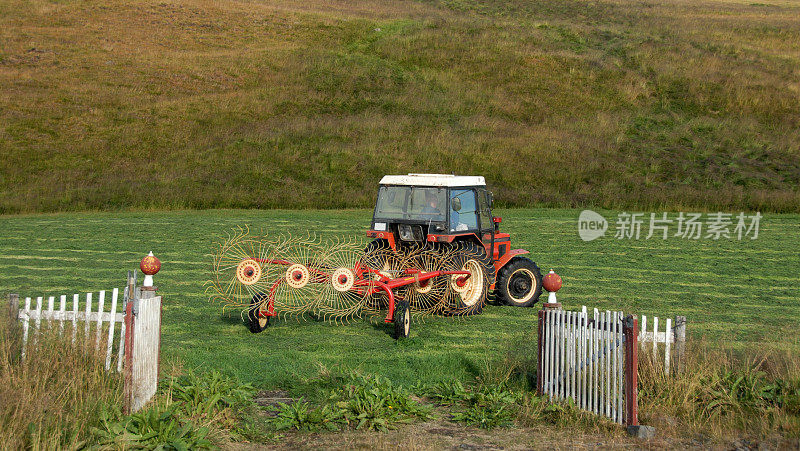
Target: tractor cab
(439, 208)
(451, 210)
(416, 208)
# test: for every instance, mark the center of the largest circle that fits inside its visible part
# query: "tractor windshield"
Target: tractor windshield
(411, 202)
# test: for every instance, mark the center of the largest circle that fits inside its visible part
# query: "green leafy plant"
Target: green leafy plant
(486, 417)
(301, 416)
(729, 391)
(445, 392)
(489, 408)
(203, 394)
(160, 426)
(374, 403)
(181, 416)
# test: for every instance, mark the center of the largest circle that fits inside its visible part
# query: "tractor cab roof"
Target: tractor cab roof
(443, 180)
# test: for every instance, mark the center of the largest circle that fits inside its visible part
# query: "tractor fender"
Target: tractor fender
(502, 261)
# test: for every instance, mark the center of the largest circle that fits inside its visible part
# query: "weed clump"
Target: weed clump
(490, 408)
(301, 415)
(723, 395)
(191, 411)
(374, 403)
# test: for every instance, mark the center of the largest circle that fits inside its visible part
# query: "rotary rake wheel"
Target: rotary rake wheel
(384, 263)
(467, 296)
(431, 296)
(339, 279)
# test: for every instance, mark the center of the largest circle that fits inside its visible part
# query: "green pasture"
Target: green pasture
(743, 294)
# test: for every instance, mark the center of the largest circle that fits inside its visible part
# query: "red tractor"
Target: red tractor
(437, 250)
(451, 211)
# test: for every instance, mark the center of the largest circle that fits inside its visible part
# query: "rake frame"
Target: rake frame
(383, 284)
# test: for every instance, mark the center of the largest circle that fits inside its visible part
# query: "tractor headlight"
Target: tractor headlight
(406, 233)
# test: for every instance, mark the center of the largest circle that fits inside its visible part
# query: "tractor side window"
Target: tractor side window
(485, 211)
(466, 218)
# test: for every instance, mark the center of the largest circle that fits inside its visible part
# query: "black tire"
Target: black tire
(519, 283)
(255, 322)
(469, 253)
(402, 319)
(373, 245)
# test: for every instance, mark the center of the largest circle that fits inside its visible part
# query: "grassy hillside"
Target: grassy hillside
(295, 104)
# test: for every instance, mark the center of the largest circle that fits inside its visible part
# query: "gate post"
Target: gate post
(539, 353)
(142, 344)
(129, 331)
(680, 343)
(13, 307)
(631, 331)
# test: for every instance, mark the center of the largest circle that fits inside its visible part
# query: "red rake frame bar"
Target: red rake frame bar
(383, 283)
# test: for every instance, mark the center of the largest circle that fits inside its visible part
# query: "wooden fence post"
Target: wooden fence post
(680, 343)
(127, 367)
(142, 344)
(13, 307)
(631, 370)
(147, 341)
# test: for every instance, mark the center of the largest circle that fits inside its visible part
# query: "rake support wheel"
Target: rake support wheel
(255, 322)
(402, 319)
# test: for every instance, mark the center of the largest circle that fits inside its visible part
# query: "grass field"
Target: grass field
(737, 294)
(305, 104)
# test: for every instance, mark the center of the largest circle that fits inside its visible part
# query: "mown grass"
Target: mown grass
(742, 294)
(199, 104)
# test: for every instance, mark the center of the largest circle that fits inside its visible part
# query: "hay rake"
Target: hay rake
(338, 279)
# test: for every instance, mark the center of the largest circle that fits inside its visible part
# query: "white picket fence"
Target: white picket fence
(583, 359)
(87, 315)
(671, 335)
(139, 343)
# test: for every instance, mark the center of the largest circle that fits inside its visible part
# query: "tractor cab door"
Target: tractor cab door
(463, 210)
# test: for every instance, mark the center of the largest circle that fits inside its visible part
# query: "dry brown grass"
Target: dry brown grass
(306, 104)
(52, 398)
(724, 396)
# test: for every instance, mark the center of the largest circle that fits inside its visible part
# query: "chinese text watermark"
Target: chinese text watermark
(690, 226)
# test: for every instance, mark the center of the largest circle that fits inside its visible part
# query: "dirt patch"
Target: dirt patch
(441, 433)
(271, 398)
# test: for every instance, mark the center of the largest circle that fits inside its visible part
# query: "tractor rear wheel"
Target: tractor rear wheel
(402, 319)
(470, 295)
(255, 322)
(519, 283)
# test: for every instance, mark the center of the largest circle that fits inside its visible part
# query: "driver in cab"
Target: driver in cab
(431, 205)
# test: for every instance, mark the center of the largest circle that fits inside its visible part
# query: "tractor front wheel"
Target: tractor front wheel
(255, 322)
(402, 319)
(519, 283)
